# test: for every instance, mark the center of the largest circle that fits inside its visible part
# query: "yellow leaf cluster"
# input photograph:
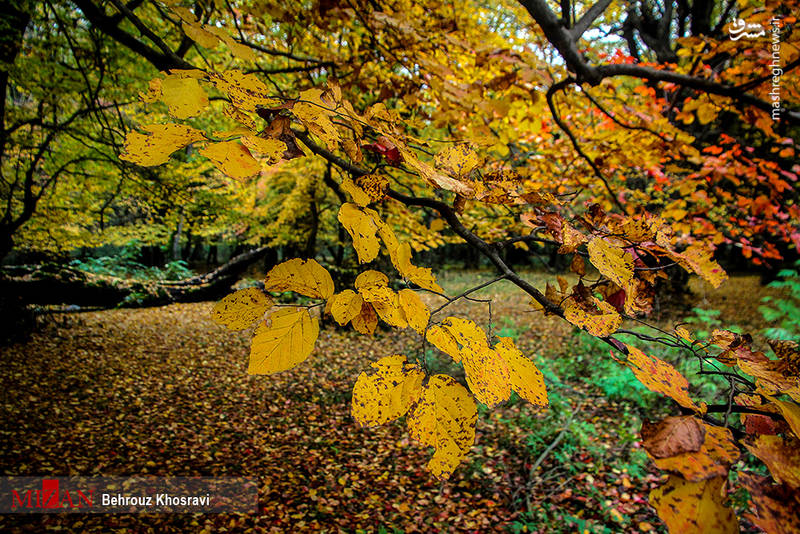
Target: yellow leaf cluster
(492, 372)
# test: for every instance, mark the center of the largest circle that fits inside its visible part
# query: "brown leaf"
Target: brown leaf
(672, 436)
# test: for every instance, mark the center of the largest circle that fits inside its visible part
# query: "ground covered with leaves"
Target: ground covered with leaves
(164, 391)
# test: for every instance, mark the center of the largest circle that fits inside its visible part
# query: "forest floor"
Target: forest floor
(164, 391)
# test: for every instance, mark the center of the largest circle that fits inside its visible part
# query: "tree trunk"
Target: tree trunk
(58, 284)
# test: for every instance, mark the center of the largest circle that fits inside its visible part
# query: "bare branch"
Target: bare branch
(588, 18)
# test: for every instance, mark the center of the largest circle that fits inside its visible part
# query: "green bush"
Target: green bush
(784, 312)
(124, 265)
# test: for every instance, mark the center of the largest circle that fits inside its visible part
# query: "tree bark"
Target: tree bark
(58, 284)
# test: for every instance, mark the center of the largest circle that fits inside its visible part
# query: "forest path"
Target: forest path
(164, 391)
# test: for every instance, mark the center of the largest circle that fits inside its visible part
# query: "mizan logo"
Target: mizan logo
(49, 497)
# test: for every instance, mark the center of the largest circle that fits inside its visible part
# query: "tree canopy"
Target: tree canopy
(634, 137)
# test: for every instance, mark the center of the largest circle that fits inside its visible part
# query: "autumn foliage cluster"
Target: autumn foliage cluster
(500, 125)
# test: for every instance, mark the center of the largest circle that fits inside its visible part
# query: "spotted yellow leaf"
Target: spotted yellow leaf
(387, 393)
(714, 458)
(246, 91)
(661, 377)
(444, 418)
(390, 310)
(487, 375)
(241, 309)
(443, 340)
(345, 306)
(416, 312)
(604, 322)
(356, 193)
(694, 507)
(362, 226)
(468, 334)
(400, 254)
(315, 115)
(524, 376)
(232, 158)
(306, 277)
(283, 341)
(366, 321)
(458, 160)
(612, 262)
(272, 149)
(156, 147)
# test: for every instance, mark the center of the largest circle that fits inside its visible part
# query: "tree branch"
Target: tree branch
(588, 18)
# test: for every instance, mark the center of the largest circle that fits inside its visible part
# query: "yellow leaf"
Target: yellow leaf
(183, 96)
(388, 393)
(366, 321)
(390, 310)
(444, 418)
(241, 309)
(196, 33)
(246, 91)
(613, 262)
(434, 177)
(373, 286)
(781, 456)
(272, 149)
(153, 93)
(313, 112)
(659, 376)
(706, 113)
(469, 335)
(345, 306)
(437, 225)
(306, 277)
(373, 185)
(232, 158)
(400, 255)
(701, 260)
(156, 147)
(790, 412)
(443, 340)
(282, 342)
(524, 376)
(416, 312)
(242, 51)
(694, 507)
(458, 160)
(424, 278)
(356, 193)
(487, 375)
(602, 324)
(362, 227)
